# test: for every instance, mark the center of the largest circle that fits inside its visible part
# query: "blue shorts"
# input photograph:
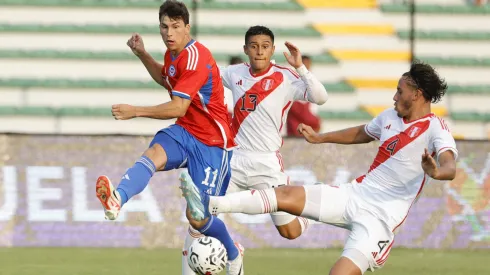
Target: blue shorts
(208, 166)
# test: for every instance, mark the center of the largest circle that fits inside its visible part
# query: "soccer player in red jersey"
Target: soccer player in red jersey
(201, 138)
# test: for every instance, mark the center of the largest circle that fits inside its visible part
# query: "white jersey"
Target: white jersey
(396, 178)
(261, 102)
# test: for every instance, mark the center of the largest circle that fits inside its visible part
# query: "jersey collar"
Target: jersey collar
(426, 116)
(188, 44)
(261, 74)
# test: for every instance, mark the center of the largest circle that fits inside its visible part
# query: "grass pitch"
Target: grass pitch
(97, 261)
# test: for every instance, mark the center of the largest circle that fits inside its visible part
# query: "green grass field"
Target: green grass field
(88, 261)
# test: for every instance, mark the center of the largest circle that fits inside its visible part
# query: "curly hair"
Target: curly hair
(424, 77)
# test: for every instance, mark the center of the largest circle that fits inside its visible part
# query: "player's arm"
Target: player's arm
(175, 108)
(444, 150)
(353, 135)
(135, 43)
(310, 88)
(184, 91)
(153, 67)
(194, 76)
(188, 85)
(446, 169)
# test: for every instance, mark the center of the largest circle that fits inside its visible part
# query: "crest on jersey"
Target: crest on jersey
(267, 84)
(413, 132)
(171, 70)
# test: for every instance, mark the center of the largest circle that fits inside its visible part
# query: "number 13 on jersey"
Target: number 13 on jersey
(249, 102)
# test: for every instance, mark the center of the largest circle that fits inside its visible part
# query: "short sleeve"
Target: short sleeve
(225, 76)
(373, 128)
(441, 139)
(193, 75)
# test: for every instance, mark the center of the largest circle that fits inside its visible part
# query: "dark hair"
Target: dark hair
(235, 60)
(306, 57)
(422, 76)
(175, 10)
(258, 30)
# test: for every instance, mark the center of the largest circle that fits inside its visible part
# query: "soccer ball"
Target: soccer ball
(207, 256)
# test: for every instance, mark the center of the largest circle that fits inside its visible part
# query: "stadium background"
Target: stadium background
(64, 62)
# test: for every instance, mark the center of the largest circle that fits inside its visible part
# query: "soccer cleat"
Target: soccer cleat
(197, 200)
(235, 267)
(109, 197)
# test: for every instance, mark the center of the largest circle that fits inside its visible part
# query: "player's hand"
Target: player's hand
(429, 164)
(294, 57)
(310, 135)
(123, 111)
(135, 43)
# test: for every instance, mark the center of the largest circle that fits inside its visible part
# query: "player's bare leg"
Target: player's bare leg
(295, 200)
(110, 198)
(344, 266)
(293, 229)
(290, 199)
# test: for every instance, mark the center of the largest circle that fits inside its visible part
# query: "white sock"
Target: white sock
(247, 202)
(191, 235)
(304, 222)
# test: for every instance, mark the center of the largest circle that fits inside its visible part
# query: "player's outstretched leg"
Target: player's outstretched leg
(290, 199)
(210, 225)
(132, 183)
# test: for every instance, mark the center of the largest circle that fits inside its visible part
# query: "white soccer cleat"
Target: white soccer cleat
(197, 200)
(235, 267)
(108, 197)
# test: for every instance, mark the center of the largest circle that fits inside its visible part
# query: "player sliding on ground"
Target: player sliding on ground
(263, 94)
(200, 140)
(412, 141)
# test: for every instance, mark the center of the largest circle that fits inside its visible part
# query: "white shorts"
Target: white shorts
(340, 206)
(259, 170)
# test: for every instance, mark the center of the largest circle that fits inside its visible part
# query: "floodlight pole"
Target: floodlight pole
(412, 30)
(194, 21)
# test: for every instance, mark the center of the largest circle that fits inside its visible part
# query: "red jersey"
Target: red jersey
(194, 75)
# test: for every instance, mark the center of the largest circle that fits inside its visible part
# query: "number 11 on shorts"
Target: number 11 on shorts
(206, 180)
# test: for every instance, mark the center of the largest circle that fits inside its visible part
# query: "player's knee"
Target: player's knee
(157, 154)
(284, 193)
(288, 226)
(288, 232)
(290, 199)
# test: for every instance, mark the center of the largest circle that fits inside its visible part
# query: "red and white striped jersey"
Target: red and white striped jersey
(261, 102)
(396, 178)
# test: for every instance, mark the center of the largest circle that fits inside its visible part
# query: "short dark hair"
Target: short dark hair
(235, 60)
(174, 10)
(422, 76)
(258, 30)
(305, 57)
